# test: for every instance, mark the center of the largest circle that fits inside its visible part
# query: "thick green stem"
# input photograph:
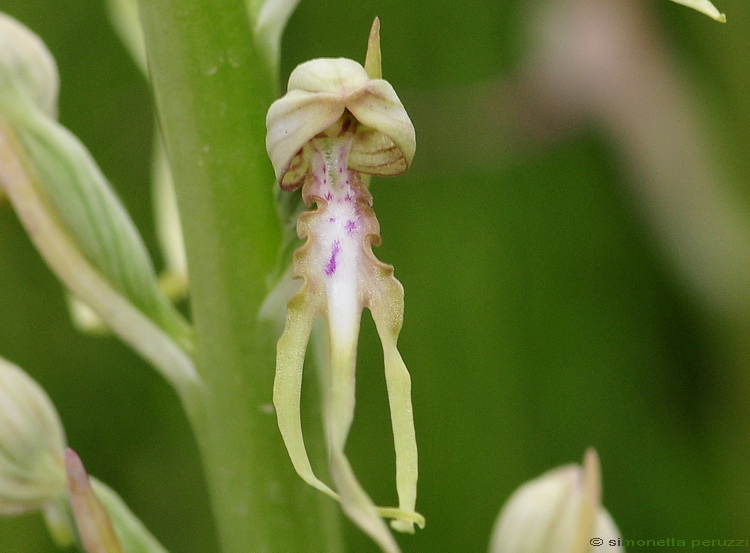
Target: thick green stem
(213, 89)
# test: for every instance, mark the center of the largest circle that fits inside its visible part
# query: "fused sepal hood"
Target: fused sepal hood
(320, 91)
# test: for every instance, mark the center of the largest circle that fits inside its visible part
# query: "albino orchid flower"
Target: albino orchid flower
(339, 123)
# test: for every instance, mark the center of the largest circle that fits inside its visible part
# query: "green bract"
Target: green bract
(268, 18)
(72, 215)
(105, 524)
(95, 528)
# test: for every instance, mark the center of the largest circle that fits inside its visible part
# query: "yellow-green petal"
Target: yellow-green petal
(705, 7)
(287, 386)
(373, 58)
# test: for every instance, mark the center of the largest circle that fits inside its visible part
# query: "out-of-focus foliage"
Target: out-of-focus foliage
(548, 306)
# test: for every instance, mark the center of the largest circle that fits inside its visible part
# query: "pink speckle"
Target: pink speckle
(351, 226)
(328, 196)
(330, 267)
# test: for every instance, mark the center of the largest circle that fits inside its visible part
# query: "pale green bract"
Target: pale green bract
(173, 279)
(72, 215)
(77, 191)
(133, 536)
(105, 523)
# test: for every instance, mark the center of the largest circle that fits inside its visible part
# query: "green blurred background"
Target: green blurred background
(545, 309)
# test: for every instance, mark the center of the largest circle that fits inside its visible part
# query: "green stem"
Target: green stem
(213, 89)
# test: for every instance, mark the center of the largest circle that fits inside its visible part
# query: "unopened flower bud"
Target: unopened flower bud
(27, 69)
(32, 453)
(559, 512)
(32, 444)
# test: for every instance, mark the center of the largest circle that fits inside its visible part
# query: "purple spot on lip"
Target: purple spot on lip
(350, 227)
(330, 267)
(329, 196)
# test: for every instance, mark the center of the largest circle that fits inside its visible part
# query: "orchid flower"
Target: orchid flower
(338, 124)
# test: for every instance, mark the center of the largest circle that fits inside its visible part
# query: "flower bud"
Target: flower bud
(559, 512)
(27, 70)
(32, 445)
